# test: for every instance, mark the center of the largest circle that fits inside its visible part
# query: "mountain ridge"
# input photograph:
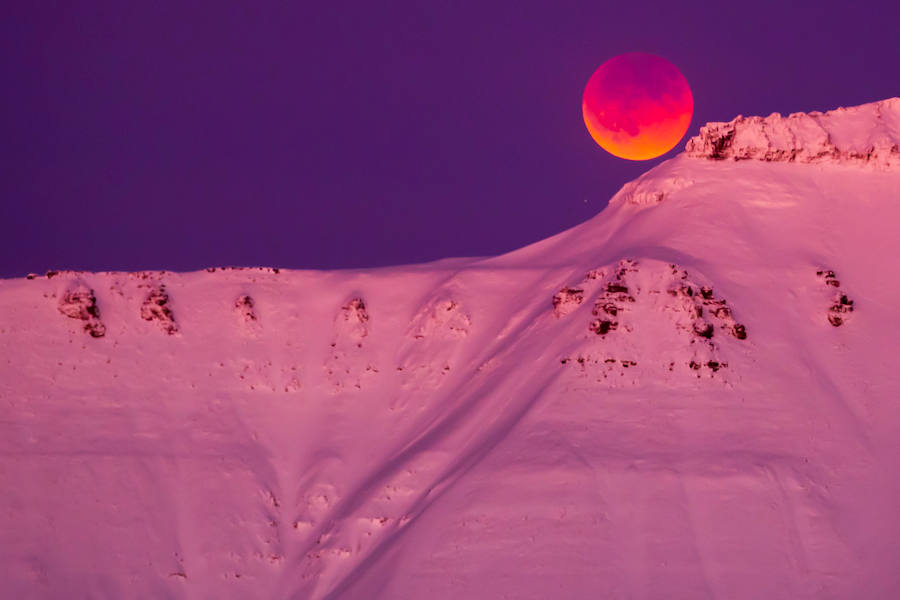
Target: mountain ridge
(814, 137)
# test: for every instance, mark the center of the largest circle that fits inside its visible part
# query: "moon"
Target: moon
(637, 106)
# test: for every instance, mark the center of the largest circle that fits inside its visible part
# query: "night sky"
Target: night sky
(181, 135)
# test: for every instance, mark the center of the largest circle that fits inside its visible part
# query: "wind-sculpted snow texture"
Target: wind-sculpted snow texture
(867, 134)
(671, 400)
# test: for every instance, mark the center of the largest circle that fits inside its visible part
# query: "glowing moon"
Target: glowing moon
(637, 106)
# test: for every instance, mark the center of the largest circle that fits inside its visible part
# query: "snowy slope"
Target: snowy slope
(692, 395)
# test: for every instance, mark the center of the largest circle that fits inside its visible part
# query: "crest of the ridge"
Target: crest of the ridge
(868, 134)
(865, 136)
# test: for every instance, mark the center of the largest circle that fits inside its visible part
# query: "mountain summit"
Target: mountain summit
(867, 134)
(691, 395)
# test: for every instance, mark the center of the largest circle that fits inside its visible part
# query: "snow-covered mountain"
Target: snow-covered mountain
(695, 394)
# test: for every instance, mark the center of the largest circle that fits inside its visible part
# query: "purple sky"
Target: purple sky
(181, 135)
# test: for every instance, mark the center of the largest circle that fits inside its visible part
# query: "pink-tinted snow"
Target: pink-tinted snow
(657, 403)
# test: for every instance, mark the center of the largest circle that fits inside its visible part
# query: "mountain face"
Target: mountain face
(692, 395)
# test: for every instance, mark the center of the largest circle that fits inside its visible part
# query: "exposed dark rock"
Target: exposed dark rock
(567, 300)
(841, 304)
(603, 326)
(704, 329)
(156, 308)
(601, 366)
(694, 309)
(246, 308)
(720, 144)
(80, 303)
(356, 308)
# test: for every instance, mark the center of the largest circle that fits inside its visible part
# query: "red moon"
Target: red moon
(637, 106)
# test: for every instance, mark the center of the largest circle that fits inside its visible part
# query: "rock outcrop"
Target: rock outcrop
(347, 364)
(866, 134)
(79, 302)
(156, 308)
(630, 299)
(841, 304)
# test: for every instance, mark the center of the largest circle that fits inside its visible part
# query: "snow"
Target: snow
(468, 428)
(867, 134)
